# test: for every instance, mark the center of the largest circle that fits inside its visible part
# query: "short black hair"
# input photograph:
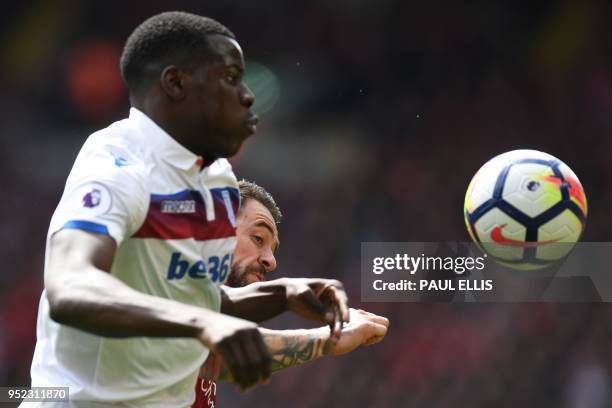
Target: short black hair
(252, 191)
(162, 37)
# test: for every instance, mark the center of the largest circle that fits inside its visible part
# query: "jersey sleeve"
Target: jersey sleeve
(103, 196)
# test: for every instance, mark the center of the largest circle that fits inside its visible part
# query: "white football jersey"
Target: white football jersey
(174, 224)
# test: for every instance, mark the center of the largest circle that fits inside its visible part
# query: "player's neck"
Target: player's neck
(169, 121)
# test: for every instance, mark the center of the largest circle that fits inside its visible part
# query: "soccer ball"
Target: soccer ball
(525, 208)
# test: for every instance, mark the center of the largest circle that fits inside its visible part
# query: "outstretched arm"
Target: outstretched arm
(294, 347)
(322, 300)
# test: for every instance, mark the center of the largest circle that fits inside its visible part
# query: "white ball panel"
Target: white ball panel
(512, 230)
(527, 190)
(481, 188)
(564, 231)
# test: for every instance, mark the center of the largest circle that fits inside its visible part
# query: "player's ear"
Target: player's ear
(173, 82)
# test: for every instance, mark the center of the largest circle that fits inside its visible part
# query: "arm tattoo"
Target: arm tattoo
(290, 348)
(296, 348)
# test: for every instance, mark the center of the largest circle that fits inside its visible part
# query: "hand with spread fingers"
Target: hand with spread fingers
(322, 300)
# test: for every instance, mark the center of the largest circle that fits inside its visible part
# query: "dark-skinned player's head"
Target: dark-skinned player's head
(185, 72)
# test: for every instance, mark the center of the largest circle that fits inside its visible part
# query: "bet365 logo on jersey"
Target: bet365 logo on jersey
(214, 268)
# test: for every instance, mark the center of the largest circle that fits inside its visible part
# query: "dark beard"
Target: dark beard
(237, 277)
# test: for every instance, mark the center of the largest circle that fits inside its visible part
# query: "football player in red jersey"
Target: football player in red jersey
(257, 241)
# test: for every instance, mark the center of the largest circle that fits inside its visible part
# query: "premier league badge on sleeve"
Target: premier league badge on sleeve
(91, 199)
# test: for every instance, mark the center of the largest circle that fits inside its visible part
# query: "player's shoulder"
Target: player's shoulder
(120, 141)
(109, 177)
(114, 152)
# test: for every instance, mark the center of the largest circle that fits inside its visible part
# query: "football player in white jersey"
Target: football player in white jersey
(144, 234)
(254, 258)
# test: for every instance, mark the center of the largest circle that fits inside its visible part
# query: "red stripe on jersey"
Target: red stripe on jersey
(183, 215)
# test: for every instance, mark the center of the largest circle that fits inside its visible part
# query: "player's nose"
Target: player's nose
(268, 261)
(247, 97)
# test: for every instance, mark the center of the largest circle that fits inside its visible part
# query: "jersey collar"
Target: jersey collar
(169, 149)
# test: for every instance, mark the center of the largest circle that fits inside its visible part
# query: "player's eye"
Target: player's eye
(232, 77)
(258, 239)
